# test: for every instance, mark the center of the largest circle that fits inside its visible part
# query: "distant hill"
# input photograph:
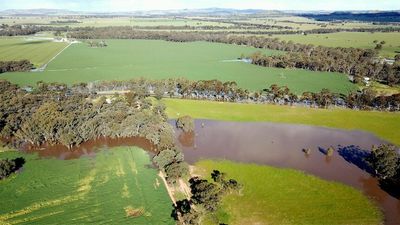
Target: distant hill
(393, 16)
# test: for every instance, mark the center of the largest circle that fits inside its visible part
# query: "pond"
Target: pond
(281, 145)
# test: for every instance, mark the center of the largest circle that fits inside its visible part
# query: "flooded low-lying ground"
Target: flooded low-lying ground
(89, 148)
(279, 145)
(282, 145)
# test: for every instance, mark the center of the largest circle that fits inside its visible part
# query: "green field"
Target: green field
(127, 59)
(88, 190)
(383, 124)
(38, 52)
(285, 196)
(113, 21)
(350, 39)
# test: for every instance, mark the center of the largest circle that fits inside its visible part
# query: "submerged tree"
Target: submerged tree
(186, 123)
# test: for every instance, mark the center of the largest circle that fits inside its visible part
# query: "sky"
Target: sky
(132, 5)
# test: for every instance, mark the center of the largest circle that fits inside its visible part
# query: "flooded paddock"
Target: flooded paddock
(279, 145)
(282, 145)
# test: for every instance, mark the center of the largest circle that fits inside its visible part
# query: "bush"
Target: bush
(7, 167)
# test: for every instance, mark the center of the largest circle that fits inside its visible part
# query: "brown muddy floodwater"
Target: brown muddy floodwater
(88, 149)
(281, 145)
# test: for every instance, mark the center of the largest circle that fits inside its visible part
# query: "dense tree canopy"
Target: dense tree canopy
(14, 66)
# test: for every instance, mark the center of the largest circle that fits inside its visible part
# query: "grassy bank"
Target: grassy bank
(128, 59)
(285, 196)
(382, 124)
(87, 190)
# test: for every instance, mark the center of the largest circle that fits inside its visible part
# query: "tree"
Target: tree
(167, 157)
(176, 170)
(397, 58)
(378, 47)
(184, 212)
(186, 123)
(7, 167)
(204, 193)
(384, 160)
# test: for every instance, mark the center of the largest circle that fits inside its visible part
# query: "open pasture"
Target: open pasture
(108, 21)
(350, 39)
(284, 196)
(127, 59)
(114, 187)
(37, 51)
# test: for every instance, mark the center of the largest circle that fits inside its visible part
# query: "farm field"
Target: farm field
(304, 24)
(38, 52)
(285, 196)
(382, 124)
(127, 59)
(350, 39)
(99, 189)
(114, 21)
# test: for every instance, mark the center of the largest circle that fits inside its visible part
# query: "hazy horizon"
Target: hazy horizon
(134, 5)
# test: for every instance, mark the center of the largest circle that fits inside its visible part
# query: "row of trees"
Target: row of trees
(354, 62)
(206, 198)
(14, 66)
(10, 166)
(215, 90)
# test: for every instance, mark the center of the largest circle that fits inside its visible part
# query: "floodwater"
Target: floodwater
(281, 145)
(88, 149)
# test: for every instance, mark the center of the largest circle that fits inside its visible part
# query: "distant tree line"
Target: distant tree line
(17, 30)
(64, 21)
(15, 66)
(365, 17)
(216, 90)
(10, 166)
(355, 62)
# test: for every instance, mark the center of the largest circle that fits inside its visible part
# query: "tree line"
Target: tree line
(15, 66)
(354, 62)
(215, 90)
